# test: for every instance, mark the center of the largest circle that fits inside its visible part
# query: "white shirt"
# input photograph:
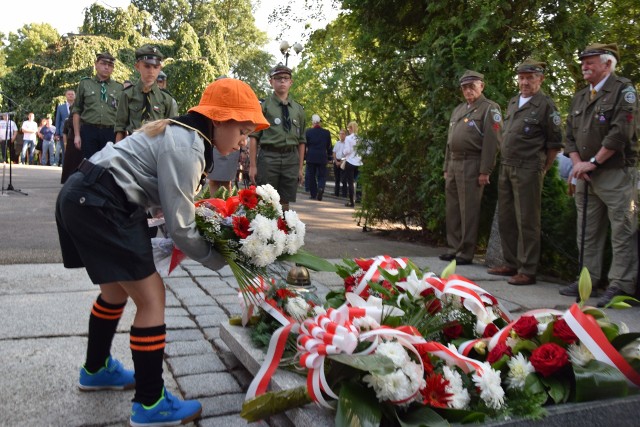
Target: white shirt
(339, 150)
(29, 128)
(13, 128)
(350, 150)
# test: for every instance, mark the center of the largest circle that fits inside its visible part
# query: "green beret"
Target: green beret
(530, 65)
(470, 76)
(105, 56)
(279, 69)
(600, 49)
(149, 54)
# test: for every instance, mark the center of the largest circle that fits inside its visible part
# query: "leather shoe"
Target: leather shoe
(614, 291)
(320, 193)
(447, 257)
(502, 271)
(571, 290)
(463, 261)
(522, 279)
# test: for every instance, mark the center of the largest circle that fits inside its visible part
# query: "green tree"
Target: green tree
(131, 23)
(30, 41)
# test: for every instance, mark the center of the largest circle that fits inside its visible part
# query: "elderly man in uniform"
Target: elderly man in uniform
(474, 136)
(144, 101)
(602, 144)
(282, 145)
(532, 138)
(94, 110)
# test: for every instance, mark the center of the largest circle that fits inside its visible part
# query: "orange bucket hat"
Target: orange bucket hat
(231, 99)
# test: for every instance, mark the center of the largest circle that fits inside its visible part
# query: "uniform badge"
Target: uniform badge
(630, 97)
(497, 118)
(602, 119)
(277, 120)
(555, 116)
(466, 120)
(527, 129)
(156, 108)
(471, 123)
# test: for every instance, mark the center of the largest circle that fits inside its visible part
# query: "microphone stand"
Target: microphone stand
(10, 144)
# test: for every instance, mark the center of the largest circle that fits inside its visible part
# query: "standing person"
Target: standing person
(95, 107)
(73, 156)
(144, 101)
(354, 161)
(62, 112)
(474, 136)
(47, 134)
(532, 138)
(29, 131)
(102, 225)
(8, 133)
(162, 80)
(318, 154)
(602, 143)
(282, 146)
(338, 173)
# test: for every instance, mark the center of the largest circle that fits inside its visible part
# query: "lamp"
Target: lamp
(285, 47)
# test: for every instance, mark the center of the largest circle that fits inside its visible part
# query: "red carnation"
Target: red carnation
(283, 293)
(453, 331)
(490, 330)
(562, 331)
(282, 225)
(548, 358)
(248, 197)
(526, 327)
(498, 351)
(241, 226)
(435, 393)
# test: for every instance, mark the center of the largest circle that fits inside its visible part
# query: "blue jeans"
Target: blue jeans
(47, 149)
(30, 145)
(317, 173)
(59, 154)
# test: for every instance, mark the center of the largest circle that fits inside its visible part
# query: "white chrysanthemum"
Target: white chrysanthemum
(297, 308)
(489, 384)
(415, 374)
(393, 351)
(262, 227)
(265, 257)
(579, 354)
(459, 395)
(297, 231)
(279, 239)
(519, 368)
(365, 323)
(395, 386)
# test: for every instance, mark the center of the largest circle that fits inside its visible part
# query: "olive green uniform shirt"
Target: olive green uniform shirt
(89, 104)
(276, 135)
(131, 103)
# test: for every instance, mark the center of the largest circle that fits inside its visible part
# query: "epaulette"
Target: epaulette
(127, 88)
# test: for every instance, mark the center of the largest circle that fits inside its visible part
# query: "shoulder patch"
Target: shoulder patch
(497, 117)
(629, 94)
(555, 116)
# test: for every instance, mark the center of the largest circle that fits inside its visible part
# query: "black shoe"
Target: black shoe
(610, 293)
(571, 290)
(463, 261)
(320, 194)
(447, 257)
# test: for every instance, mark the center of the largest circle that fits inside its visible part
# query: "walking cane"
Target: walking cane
(584, 228)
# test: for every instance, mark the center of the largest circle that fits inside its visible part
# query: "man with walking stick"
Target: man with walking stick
(602, 144)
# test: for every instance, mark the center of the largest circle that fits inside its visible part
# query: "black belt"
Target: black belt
(284, 149)
(103, 178)
(98, 126)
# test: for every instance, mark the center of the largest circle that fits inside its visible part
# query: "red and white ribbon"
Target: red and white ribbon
(502, 335)
(372, 273)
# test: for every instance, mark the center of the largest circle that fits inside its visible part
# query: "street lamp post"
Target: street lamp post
(285, 50)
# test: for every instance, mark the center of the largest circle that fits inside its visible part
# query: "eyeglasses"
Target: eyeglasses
(282, 79)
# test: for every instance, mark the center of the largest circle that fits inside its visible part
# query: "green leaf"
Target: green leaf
(309, 260)
(559, 389)
(624, 339)
(500, 363)
(598, 380)
(461, 416)
(449, 270)
(584, 286)
(274, 402)
(533, 385)
(619, 302)
(374, 363)
(524, 345)
(357, 407)
(421, 416)
(596, 313)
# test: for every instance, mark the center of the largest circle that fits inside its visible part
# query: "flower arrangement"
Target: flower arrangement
(398, 346)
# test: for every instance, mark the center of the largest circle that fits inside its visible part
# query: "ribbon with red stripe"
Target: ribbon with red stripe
(372, 274)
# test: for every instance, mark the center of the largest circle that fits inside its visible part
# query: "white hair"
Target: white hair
(608, 57)
(315, 119)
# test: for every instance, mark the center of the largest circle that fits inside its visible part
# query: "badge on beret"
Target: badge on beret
(555, 116)
(277, 121)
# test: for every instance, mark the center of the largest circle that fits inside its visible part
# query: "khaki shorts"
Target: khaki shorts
(281, 170)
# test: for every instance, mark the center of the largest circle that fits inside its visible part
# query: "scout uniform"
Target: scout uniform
(136, 107)
(96, 103)
(474, 137)
(278, 158)
(608, 119)
(529, 131)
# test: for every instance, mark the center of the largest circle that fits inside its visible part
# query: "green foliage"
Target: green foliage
(30, 41)
(130, 24)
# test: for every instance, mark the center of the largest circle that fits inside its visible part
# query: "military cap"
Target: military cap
(470, 76)
(149, 54)
(530, 65)
(600, 49)
(279, 69)
(162, 76)
(105, 56)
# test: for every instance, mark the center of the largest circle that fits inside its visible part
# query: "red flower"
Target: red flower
(526, 327)
(349, 284)
(498, 351)
(433, 304)
(364, 264)
(223, 207)
(248, 197)
(435, 393)
(282, 225)
(453, 331)
(561, 330)
(283, 293)
(241, 226)
(424, 356)
(490, 330)
(548, 358)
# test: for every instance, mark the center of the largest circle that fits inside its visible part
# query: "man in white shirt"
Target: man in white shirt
(29, 130)
(8, 133)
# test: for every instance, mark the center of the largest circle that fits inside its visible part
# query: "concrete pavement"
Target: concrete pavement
(44, 312)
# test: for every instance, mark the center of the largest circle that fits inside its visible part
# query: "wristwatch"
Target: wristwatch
(594, 162)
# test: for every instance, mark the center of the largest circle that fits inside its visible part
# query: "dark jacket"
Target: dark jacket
(319, 149)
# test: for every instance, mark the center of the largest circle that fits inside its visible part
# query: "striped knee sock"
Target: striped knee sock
(147, 350)
(102, 327)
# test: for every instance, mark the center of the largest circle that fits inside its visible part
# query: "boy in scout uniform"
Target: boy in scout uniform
(95, 107)
(532, 138)
(474, 136)
(144, 101)
(602, 144)
(282, 145)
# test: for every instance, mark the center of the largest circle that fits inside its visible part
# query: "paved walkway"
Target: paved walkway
(44, 312)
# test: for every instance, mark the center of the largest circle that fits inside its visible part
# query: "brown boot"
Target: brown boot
(503, 270)
(522, 279)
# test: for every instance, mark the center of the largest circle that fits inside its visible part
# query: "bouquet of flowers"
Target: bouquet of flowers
(398, 346)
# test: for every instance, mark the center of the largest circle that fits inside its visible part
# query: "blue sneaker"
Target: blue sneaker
(113, 376)
(167, 411)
